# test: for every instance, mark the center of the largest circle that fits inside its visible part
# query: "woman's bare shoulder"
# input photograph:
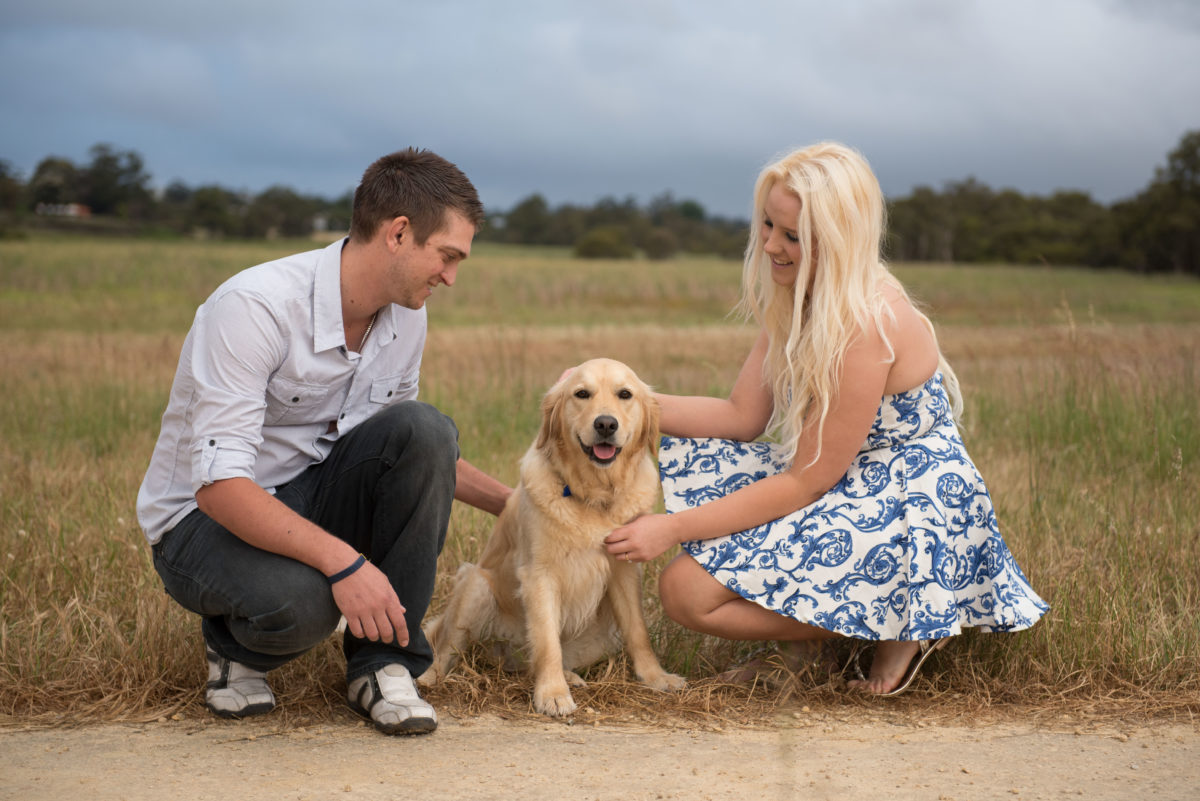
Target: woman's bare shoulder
(913, 344)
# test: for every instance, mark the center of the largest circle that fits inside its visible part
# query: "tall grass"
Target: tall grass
(1081, 413)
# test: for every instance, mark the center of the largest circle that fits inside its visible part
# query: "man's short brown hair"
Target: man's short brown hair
(413, 183)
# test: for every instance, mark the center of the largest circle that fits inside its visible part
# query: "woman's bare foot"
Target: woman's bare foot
(890, 663)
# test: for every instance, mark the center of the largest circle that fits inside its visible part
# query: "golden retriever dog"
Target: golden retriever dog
(544, 582)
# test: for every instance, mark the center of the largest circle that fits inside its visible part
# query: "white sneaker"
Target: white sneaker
(389, 698)
(234, 690)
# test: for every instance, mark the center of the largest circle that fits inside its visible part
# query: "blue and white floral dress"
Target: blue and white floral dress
(904, 547)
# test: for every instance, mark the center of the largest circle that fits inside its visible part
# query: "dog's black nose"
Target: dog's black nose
(605, 425)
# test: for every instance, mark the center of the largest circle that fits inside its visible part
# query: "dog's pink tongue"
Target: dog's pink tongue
(604, 451)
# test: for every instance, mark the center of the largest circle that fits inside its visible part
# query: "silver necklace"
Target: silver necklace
(367, 333)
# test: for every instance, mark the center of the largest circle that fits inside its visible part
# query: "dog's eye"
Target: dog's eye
(624, 394)
(582, 394)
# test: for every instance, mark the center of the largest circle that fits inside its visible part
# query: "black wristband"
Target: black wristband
(359, 562)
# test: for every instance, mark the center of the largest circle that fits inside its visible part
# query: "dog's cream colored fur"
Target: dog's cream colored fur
(544, 580)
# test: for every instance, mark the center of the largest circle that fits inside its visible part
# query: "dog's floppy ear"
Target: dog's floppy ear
(552, 408)
(651, 413)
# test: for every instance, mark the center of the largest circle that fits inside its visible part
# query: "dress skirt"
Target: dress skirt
(904, 547)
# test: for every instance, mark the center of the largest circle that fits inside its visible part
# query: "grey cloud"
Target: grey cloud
(617, 98)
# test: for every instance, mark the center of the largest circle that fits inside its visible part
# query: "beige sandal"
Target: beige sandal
(924, 649)
(927, 647)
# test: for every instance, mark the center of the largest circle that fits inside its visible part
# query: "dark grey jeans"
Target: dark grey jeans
(386, 488)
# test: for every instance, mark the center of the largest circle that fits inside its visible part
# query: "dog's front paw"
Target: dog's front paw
(554, 701)
(431, 676)
(666, 681)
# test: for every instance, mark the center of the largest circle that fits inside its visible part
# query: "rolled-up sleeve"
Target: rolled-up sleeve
(239, 342)
(219, 458)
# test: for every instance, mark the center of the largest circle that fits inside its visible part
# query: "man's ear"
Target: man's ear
(396, 231)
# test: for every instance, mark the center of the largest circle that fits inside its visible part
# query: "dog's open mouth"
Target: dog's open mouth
(601, 453)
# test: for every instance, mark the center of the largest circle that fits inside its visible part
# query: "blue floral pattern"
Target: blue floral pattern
(904, 547)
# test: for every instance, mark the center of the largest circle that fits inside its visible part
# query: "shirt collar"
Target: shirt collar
(327, 299)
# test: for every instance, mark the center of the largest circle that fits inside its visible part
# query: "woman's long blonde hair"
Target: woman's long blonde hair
(840, 232)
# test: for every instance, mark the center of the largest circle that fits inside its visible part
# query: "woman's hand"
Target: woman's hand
(642, 539)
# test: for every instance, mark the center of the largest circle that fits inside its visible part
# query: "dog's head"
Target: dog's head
(601, 408)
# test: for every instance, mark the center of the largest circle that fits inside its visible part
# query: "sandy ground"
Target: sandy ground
(799, 756)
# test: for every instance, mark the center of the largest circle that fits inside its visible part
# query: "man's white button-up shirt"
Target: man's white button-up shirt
(266, 384)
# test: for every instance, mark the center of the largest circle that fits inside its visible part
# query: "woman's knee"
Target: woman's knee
(676, 590)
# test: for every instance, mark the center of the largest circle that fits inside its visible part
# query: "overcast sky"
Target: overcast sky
(606, 98)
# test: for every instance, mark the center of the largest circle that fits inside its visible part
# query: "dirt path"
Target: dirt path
(816, 757)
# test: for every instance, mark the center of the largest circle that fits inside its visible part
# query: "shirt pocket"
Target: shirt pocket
(392, 389)
(290, 402)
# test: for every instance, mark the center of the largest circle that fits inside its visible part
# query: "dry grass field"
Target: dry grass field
(1082, 413)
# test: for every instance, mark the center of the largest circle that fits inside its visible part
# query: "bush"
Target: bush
(660, 244)
(605, 242)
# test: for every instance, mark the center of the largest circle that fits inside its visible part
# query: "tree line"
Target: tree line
(112, 192)
(1157, 230)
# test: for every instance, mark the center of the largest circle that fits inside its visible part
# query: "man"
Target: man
(296, 480)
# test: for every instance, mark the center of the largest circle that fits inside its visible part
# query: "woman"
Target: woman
(867, 519)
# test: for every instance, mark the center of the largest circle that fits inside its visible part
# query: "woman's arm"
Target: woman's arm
(860, 390)
(742, 416)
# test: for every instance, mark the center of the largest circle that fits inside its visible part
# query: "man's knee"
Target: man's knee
(292, 625)
(423, 430)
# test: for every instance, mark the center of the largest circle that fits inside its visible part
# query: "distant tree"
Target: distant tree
(731, 244)
(920, 227)
(664, 226)
(55, 180)
(686, 222)
(691, 210)
(115, 182)
(177, 193)
(214, 211)
(565, 225)
(970, 222)
(1158, 230)
(609, 211)
(12, 191)
(660, 243)
(279, 211)
(1183, 166)
(172, 208)
(1075, 229)
(971, 204)
(528, 222)
(605, 242)
(662, 209)
(337, 214)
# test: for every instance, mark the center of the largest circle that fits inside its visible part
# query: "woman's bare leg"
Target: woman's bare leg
(694, 599)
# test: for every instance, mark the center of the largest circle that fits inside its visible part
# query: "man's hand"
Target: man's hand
(365, 597)
(370, 606)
